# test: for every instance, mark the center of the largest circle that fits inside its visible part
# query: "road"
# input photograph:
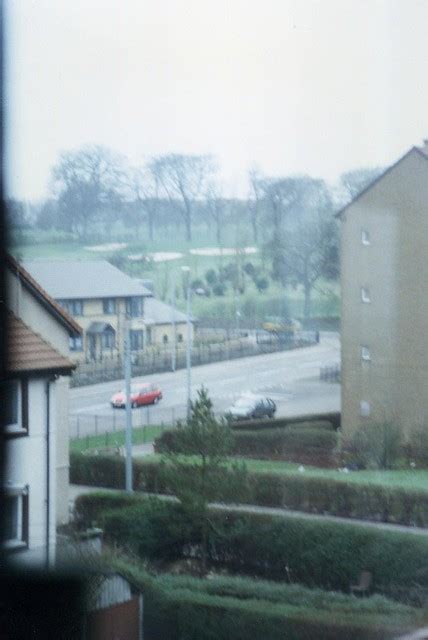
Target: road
(291, 378)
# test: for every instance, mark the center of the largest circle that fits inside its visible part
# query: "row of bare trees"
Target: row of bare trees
(291, 218)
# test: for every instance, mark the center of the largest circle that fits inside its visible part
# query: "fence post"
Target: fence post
(78, 426)
(96, 425)
(114, 420)
(148, 414)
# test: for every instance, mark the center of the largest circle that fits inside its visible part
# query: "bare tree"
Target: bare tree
(216, 208)
(255, 201)
(143, 187)
(355, 181)
(308, 248)
(184, 179)
(87, 184)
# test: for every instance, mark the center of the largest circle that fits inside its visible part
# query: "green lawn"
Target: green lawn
(412, 478)
(140, 435)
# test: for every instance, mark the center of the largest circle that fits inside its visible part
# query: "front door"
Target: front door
(92, 346)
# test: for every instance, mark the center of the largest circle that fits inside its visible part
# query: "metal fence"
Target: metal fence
(158, 359)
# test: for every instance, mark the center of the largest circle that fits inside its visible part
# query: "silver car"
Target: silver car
(248, 407)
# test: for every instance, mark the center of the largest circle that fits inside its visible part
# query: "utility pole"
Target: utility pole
(174, 332)
(189, 343)
(128, 432)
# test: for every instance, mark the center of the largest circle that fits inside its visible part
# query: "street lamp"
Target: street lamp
(186, 270)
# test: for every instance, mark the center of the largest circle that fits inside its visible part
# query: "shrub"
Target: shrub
(322, 420)
(373, 446)
(219, 289)
(285, 443)
(417, 446)
(211, 276)
(262, 284)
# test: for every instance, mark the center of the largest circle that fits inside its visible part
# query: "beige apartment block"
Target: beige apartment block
(384, 282)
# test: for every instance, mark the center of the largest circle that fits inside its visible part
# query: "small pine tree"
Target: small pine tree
(195, 467)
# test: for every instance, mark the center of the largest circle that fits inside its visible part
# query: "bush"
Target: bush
(291, 443)
(290, 490)
(219, 289)
(317, 554)
(417, 446)
(211, 276)
(373, 446)
(320, 421)
(262, 284)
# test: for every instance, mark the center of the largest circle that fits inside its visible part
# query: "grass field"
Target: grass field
(275, 301)
(140, 435)
(412, 478)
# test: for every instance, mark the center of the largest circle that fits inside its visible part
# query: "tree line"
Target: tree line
(290, 218)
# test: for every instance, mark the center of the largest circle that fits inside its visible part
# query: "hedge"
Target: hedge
(289, 490)
(329, 555)
(329, 420)
(309, 443)
(237, 609)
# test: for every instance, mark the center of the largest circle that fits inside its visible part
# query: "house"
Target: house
(384, 276)
(100, 297)
(162, 320)
(34, 400)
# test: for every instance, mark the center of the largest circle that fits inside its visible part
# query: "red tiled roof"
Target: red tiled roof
(55, 309)
(28, 352)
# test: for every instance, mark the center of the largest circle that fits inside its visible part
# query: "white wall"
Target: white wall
(26, 464)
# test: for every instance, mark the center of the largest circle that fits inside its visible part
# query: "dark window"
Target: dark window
(109, 306)
(75, 307)
(137, 339)
(134, 307)
(16, 517)
(180, 337)
(108, 340)
(165, 338)
(14, 406)
(76, 343)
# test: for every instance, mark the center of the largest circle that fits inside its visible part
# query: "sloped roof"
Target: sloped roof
(80, 279)
(157, 312)
(422, 151)
(28, 352)
(99, 327)
(43, 296)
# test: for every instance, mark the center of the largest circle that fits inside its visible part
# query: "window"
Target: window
(109, 306)
(137, 339)
(16, 517)
(180, 337)
(365, 294)
(134, 307)
(165, 338)
(14, 406)
(365, 237)
(364, 408)
(76, 343)
(73, 307)
(365, 353)
(108, 340)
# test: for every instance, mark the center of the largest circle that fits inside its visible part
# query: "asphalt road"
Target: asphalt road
(291, 378)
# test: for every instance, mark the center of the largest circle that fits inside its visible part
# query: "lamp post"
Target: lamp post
(174, 332)
(186, 270)
(128, 432)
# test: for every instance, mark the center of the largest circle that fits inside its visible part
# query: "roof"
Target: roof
(28, 352)
(422, 151)
(31, 284)
(80, 279)
(157, 312)
(99, 327)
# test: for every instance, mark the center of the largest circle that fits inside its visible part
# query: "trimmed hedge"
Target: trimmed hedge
(325, 420)
(310, 442)
(289, 490)
(317, 554)
(237, 609)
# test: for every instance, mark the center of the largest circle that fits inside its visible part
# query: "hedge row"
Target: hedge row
(329, 420)
(289, 490)
(237, 609)
(308, 443)
(317, 554)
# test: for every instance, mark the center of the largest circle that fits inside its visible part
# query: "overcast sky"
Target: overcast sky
(290, 86)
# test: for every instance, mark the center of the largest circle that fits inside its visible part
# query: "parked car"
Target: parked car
(248, 407)
(141, 394)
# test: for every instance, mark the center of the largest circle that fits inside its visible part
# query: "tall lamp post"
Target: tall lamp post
(128, 430)
(186, 270)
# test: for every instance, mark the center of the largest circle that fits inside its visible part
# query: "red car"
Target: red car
(141, 394)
